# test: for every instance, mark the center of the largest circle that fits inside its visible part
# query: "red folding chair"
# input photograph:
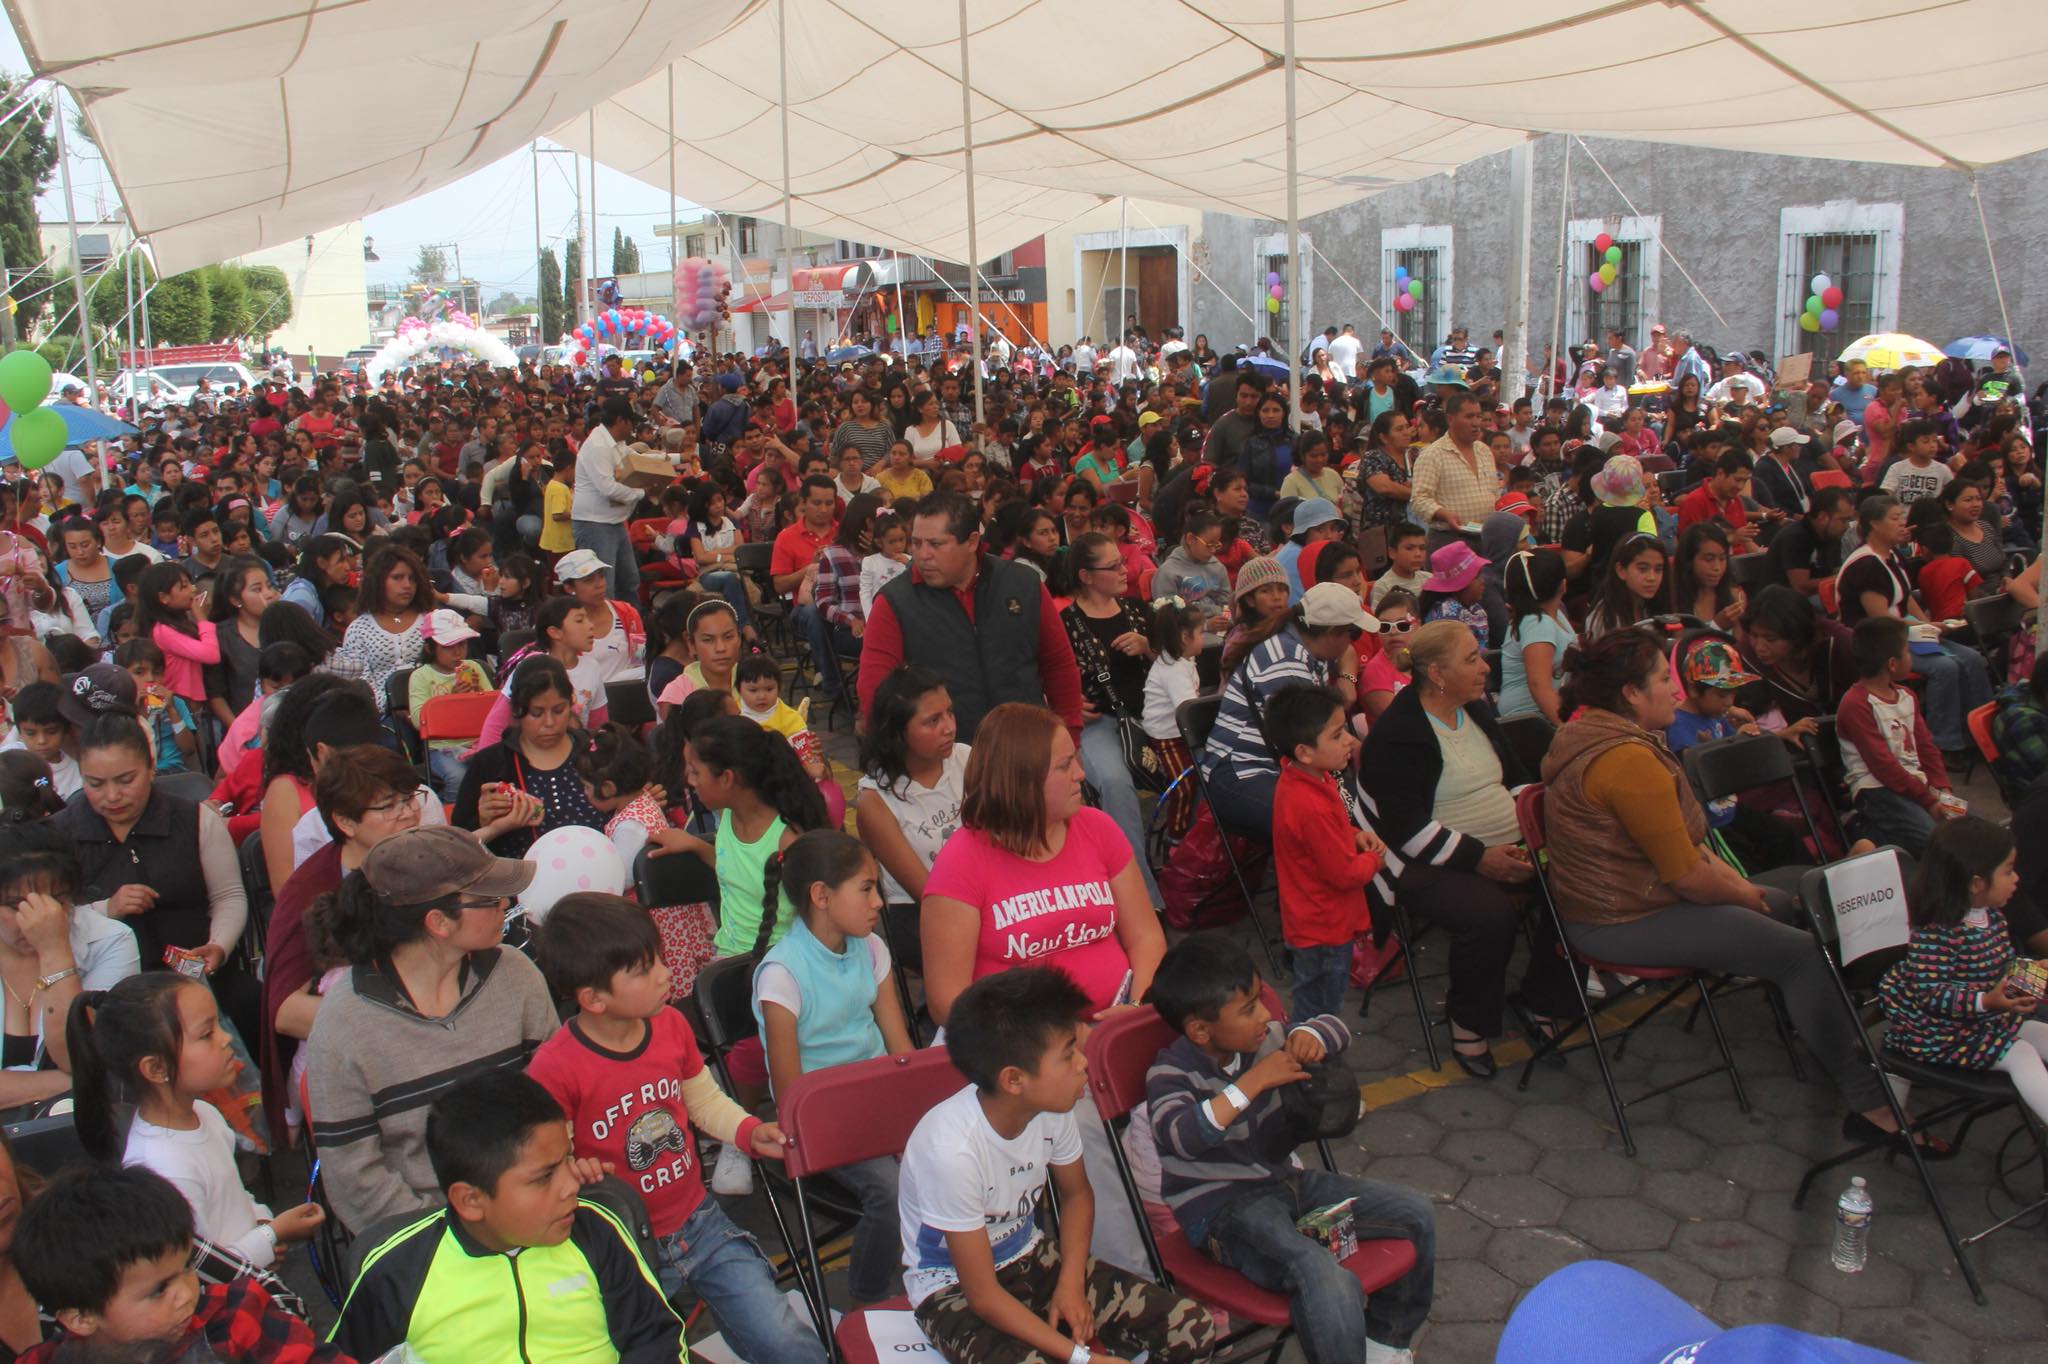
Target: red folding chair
(1119, 1052)
(455, 715)
(1531, 817)
(841, 1115)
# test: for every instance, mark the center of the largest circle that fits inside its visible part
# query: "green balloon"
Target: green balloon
(1813, 305)
(39, 435)
(1415, 288)
(24, 381)
(1613, 256)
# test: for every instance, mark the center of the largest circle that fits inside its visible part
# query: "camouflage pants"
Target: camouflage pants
(1131, 1315)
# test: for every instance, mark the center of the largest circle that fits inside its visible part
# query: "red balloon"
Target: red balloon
(1831, 297)
(1602, 242)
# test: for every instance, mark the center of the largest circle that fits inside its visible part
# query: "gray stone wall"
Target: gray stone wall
(1720, 214)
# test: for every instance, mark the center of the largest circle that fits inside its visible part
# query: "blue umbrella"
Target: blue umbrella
(1977, 349)
(840, 354)
(1265, 365)
(81, 424)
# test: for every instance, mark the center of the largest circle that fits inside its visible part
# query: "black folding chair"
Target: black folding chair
(1528, 737)
(750, 561)
(193, 786)
(1194, 718)
(1674, 980)
(511, 642)
(627, 703)
(256, 888)
(398, 715)
(676, 879)
(1994, 621)
(1877, 924)
(847, 670)
(1494, 675)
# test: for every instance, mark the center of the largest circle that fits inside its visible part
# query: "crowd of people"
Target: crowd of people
(389, 656)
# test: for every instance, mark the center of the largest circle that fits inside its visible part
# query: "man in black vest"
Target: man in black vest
(986, 625)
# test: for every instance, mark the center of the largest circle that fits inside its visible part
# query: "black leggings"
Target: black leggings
(1483, 919)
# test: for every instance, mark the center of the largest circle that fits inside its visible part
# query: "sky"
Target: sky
(489, 212)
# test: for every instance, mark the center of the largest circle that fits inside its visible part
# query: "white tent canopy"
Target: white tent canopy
(234, 125)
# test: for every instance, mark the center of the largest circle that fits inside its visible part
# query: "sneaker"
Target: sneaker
(733, 1175)
(1376, 1353)
(1596, 988)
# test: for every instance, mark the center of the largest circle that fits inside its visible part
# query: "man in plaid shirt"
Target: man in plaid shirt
(2019, 731)
(833, 623)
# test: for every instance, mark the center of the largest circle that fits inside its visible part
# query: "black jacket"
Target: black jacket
(1399, 768)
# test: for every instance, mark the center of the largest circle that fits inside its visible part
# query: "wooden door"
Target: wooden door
(1158, 292)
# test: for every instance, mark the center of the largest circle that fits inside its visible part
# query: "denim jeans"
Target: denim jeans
(1889, 817)
(874, 1267)
(1243, 803)
(608, 541)
(1102, 758)
(1957, 683)
(1254, 1234)
(826, 638)
(1321, 975)
(447, 767)
(725, 1267)
(730, 586)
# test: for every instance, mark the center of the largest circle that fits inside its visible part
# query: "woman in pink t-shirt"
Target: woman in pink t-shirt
(1033, 877)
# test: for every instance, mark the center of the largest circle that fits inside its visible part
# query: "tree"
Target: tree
(30, 158)
(507, 303)
(107, 296)
(552, 324)
(432, 266)
(270, 300)
(572, 275)
(227, 294)
(181, 311)
(625, 254)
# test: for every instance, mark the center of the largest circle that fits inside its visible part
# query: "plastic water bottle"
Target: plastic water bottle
(1852, 1227)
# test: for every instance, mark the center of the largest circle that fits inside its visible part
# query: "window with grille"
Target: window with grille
(747, 235)
(1852, 262)
(1422, 326)
(1276, 323)
(1619, 306)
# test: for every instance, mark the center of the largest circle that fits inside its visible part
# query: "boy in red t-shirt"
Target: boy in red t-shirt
(1325, 860)
(1946, 578)
(627, 1072)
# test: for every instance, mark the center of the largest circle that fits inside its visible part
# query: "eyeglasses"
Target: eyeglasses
(1117, 566)
(1397, 627)
(397, 805)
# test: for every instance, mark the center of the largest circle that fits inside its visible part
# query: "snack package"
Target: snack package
(1332, 1227)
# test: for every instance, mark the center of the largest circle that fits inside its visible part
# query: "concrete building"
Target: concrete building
(1751, 230)
(330, 293)
(1115, 261)
(98, 244)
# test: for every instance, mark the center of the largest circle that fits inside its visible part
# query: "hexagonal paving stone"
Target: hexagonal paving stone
(1512, 1200)
(1467, 1290)
(1813, 1225)
(1694, 1194)
(1758, 1166)
(1555, 1127)
(1488, 1152)
(1905, 1331)
(1665, 1041)
(2010, 1314)
(1398, 1131)
(1789, 1098)
(1731, 1250)
(1660, 1146)
(1475, 1341)
(1881, 1282)
(1775, 1300)
(1467, 1108)
(1590, 1174)
(1720, 1121)
(2029, 1353)
(1459, 1235)
(1682, 1277)
(1425, 1174)
(1529, 1254)
(1619, 1224)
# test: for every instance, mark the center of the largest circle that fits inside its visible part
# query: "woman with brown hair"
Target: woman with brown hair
(1035, 877)
(395, 597)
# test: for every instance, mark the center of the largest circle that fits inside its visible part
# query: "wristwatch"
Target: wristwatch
(45, 982)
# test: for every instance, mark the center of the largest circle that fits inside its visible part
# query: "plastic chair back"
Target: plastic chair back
(455, 715)
(1119, 1053)
(1754, 572)
(843, 1114)
(1831, 478)
(1195, 717)
(627, 703)
(398, 692)
(674, 879)
(1979, 721)
(1830, 597)
(725, 994)
(1994, 619)
(1739, 763)
(1531, 819)
(1529, 737)
(192, 786)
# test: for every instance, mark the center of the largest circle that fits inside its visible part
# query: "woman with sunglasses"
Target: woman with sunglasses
(431, 998)
(1111, 636)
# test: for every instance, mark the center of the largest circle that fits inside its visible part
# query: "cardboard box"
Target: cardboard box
(1333, 1227)
(649, 473)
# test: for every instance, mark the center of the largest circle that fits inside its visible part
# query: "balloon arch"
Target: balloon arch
(454, 331)
(620, 329)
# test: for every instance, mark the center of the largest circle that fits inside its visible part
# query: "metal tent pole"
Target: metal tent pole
(1113, 327)
(788, 229)
(128, 279)
(902, 318)
(92, 378)
(1549, 387)
(673, 254)
(1514, 365)
(590, 242)
(541, 316)
(973, 252)
(1294, 300)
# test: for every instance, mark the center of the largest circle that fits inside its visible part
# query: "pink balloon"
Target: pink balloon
(1404, 303)
(1595, 283)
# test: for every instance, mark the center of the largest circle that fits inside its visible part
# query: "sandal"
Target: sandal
(1857, 1128)
(1540, 1028)
(1480, 1065)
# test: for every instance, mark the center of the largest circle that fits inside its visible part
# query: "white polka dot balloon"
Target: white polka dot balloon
(567, 860)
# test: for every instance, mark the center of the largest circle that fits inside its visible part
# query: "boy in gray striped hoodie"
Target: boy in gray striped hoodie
(1214, 1102)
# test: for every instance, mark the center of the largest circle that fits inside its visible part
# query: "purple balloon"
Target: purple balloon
(1272, 278)
(1828, 318)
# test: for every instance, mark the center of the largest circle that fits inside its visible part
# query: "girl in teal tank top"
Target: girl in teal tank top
(825, 995)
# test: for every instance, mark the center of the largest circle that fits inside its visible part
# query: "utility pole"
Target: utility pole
(540, 314)
(6, 302)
